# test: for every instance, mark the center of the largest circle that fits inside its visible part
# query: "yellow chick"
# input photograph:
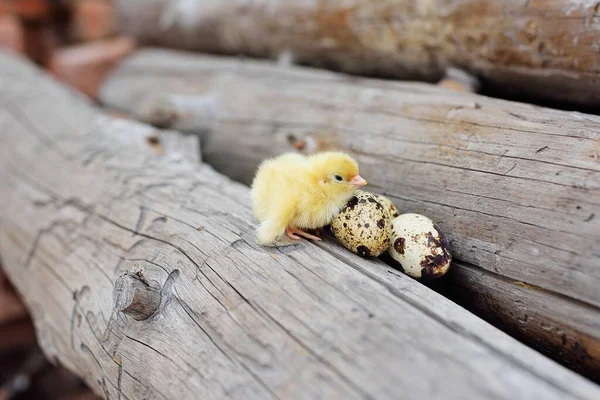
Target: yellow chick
(293, 192)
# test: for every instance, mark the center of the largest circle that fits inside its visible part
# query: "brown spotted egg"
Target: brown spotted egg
(419, 246)
(388, 205)
(363, 225)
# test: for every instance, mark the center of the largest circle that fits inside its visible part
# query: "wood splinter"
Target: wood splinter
(135, 297)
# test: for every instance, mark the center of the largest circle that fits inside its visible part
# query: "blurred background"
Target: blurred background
(39, 27)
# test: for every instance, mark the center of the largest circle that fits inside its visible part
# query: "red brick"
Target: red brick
(28, 9)
(93, 20)
(11, 33)
(85, 66)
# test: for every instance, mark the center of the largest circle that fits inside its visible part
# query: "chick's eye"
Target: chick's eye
(338, 178)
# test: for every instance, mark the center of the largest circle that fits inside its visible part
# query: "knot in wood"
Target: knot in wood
(134, 296)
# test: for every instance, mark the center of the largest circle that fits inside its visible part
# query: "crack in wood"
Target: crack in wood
(452, 326)
(315, 354)
(542, 149)
(482, 213)
(140, 221)
(32, 129)
(259, 293)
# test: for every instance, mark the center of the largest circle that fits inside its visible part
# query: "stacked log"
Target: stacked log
(515, 187)
(543, 49)
(88, 201)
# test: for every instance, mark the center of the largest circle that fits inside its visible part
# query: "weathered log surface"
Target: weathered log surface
(516, 188)
(546, 49)
(83, 201)
(135, 296)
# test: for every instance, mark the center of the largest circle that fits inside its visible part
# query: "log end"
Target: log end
(135, 296)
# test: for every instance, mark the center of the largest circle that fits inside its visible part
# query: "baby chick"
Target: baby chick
(293, 192)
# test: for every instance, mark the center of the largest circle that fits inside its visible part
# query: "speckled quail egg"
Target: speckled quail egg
(388, 205)
(363, 225)
(419, 246)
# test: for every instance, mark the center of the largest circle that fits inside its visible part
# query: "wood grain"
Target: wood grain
(85, 199)
(546, 49)
(515, 187)
(562, 329)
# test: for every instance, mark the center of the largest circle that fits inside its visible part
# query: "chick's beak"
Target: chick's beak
(358, 181)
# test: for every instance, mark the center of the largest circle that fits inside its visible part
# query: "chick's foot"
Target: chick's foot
(293, 233)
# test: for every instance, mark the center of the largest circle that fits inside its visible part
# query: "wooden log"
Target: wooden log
(515, 187)
(544, 49)
(84, 200)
